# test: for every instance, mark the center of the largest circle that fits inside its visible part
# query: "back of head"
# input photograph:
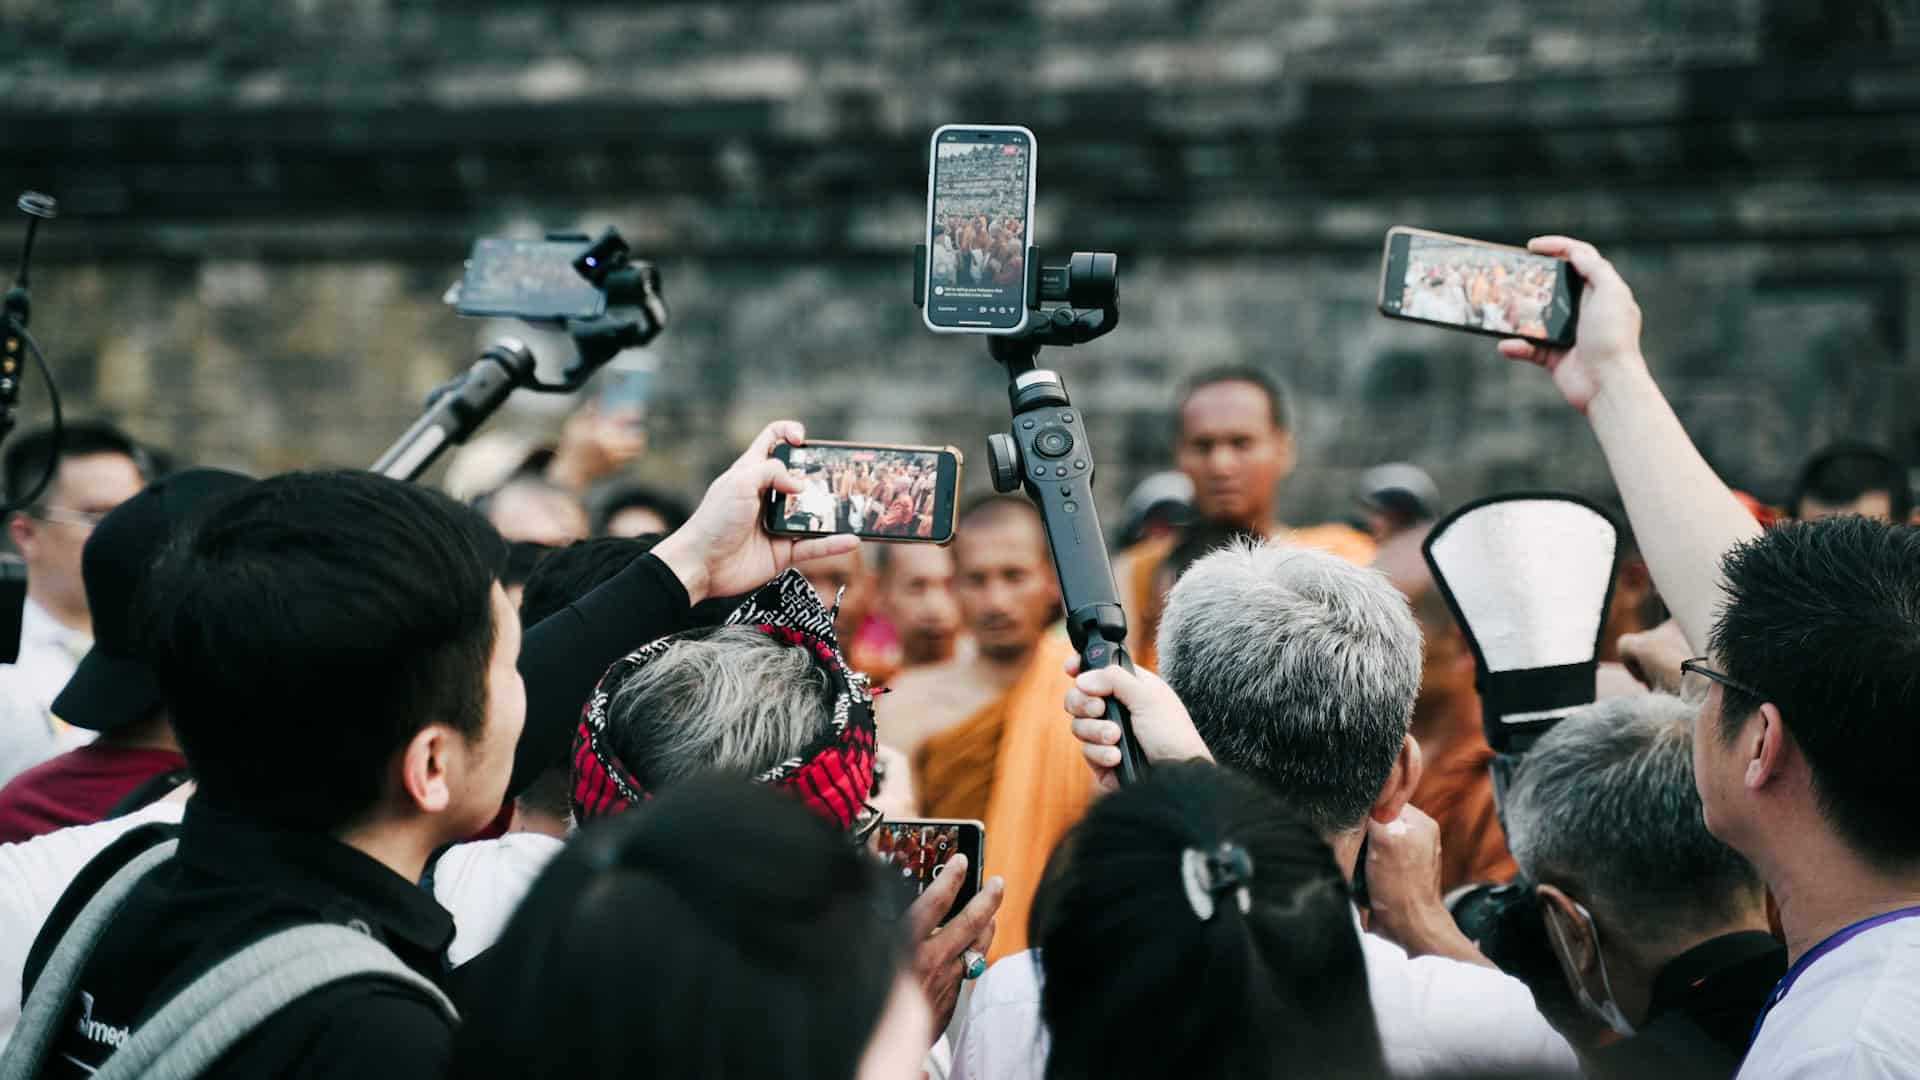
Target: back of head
(1837, 477)
(721, 932)
(1152, 963)
(1300, 670)
(26, 457)
(567, 575)
(1823, 619)
(1604, 807)
(729, 699)
(309, 627)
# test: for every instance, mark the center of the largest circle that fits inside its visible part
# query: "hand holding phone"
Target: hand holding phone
(902, 494)
(1479, 287)
(920, 849)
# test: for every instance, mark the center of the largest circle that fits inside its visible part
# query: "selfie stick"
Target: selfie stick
(457, 409)
(1048, 453)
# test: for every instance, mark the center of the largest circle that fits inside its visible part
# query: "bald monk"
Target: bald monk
(1234, 443)
(1455, 789)
(986, 731)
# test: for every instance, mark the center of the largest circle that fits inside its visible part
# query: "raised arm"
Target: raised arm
(1684, 516)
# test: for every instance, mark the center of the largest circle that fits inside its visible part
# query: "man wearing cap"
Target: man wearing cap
(136, 758)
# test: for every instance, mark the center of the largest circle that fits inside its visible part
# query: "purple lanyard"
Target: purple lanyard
(1833, 941)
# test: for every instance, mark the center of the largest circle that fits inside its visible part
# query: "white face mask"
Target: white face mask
(1608, 1011)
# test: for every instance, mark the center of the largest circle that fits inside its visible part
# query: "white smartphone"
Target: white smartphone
(979, 227)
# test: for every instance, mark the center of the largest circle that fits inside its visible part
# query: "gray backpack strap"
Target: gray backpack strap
(201, 1023)
(44, 1013)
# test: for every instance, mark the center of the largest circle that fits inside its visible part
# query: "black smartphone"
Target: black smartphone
(876, 491)
(1483, 288)
(527, 279)
(979, 228)
(919, 848)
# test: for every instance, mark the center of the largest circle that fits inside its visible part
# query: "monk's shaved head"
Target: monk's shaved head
(1004, 576)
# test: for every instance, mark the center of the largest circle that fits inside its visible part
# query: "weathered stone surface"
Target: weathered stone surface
(264, 202)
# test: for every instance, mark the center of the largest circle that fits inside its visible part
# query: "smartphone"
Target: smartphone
(527, 279)
(625, 386)
(919, 849)
(1483, 288)
(872, 490)
(979, 228)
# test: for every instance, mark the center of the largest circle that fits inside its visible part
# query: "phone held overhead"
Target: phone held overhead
(980, 181)
(1480, 287)
(877, 491)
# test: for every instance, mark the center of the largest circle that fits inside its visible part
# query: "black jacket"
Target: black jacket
(1701, 1016)
(236, 880)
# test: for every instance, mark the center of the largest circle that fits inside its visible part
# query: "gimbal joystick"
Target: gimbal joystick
(1047, 452)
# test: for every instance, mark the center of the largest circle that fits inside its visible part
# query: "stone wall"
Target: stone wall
(263, 203)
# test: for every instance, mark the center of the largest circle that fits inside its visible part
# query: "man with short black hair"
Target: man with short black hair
(98, 467)
(1233, 439)
(1807, 747)
(1852, 478)
(339, 661)
(1660, 929)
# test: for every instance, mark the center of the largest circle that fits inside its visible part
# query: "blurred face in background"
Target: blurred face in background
(84, 489)
(829, 576)
(537, 513)
(1234, 453)
(1005, 584)
(916, 593)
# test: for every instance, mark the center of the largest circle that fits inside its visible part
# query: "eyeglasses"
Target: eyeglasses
(1698, 666)
(62, 515)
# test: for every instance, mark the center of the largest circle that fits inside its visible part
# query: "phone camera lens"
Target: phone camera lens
(1053, 442)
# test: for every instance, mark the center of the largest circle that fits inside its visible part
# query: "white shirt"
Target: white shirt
(480, 884)
(1853, 1013)
(49, 651)
(1435, 1015)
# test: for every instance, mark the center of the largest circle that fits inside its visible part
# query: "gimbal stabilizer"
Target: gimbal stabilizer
(1048, 453)
(636, 313)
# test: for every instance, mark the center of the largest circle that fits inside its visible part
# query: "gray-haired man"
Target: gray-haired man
(1300, 670)
(1661, 930)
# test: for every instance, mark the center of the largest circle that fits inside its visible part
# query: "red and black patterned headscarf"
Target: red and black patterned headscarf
(833, 776)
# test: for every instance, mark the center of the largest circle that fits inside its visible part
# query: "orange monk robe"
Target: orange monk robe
(1457, 793)
(1014, 765)
(1147, 557)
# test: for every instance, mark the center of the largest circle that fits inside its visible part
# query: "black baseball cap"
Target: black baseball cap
(113, 688)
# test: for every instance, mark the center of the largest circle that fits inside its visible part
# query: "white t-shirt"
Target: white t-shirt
(49, 652)
(480, 884)
(1435, 1016)
(1852, 1012)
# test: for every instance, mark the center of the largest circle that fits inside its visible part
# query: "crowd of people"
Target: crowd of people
(326, 775)
(1505, 292)
(881, 493)
(980, 228)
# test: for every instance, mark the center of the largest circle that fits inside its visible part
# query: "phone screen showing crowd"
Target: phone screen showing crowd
(977, 242)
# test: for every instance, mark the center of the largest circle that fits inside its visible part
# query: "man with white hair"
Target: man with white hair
(1660, 929)
(1300, 671)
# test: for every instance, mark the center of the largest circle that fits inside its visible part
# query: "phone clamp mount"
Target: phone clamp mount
(636, 314)
(1047, 452)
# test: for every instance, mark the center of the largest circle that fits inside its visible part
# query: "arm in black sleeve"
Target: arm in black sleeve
(565, 654)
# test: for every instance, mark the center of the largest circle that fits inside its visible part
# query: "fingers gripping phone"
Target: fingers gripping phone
(876, 491)
(1483, 288)
(979, 228)
(919, 848)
